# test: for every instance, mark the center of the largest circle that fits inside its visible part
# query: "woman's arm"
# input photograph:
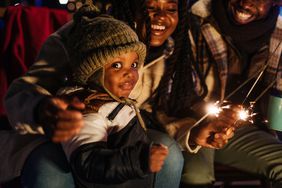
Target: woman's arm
(40, 81)
(32, 94)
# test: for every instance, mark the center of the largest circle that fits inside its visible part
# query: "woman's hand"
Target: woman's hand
(217, 131)
(61, 119)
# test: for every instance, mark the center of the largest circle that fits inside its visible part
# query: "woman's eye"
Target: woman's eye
(134, 65)
(150, 8)
(171, 10)
(116, 65)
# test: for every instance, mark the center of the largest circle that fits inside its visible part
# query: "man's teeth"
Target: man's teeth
(158, 27)
(243, 15)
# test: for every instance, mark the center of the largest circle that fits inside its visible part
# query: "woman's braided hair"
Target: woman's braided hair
(176, 92)
(128, 11)
(131, 10)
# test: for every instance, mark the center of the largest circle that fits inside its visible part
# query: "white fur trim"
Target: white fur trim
(202, 8)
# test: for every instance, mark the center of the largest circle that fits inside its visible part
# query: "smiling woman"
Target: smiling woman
(164, 19)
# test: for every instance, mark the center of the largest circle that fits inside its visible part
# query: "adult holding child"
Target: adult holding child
(62, 119)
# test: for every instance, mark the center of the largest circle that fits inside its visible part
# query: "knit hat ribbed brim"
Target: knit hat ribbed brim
(96, 39)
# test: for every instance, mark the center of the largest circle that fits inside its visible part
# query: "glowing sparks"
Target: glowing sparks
(243, 114)
(214, 109)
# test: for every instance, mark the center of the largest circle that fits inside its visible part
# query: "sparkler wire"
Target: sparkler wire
(260, 72)
(264, 91)
(255, 83)
(243, 84)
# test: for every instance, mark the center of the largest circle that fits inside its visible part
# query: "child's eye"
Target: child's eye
(134, 65)
(116, 65)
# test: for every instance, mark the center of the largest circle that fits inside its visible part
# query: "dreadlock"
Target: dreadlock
(176, 93)
(132, 11)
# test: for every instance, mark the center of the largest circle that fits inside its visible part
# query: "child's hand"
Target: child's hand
(158, 154)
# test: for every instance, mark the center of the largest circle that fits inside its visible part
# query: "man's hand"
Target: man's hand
(216, 132)
(61, 119)
(158, 154)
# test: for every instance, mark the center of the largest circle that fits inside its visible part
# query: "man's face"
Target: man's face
(164, 19)
(121, 74)
(246, 11)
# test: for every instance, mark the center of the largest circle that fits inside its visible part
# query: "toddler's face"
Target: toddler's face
(121, 74)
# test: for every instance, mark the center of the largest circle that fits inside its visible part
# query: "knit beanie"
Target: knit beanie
(94, 39)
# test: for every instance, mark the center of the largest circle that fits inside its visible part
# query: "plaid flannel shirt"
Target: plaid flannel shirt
(219, 48)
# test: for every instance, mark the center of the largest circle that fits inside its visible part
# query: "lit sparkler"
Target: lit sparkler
(214, 109)
(243, 114)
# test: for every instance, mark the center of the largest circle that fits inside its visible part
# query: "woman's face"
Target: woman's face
(121, 74)
(164, 19)
(246, 11)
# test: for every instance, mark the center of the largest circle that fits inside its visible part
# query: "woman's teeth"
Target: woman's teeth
(158, 27)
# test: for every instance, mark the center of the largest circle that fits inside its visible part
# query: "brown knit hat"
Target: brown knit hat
(94, 39)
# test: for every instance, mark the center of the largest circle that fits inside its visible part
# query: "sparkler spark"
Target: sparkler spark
(214, 109)
(243, 114)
